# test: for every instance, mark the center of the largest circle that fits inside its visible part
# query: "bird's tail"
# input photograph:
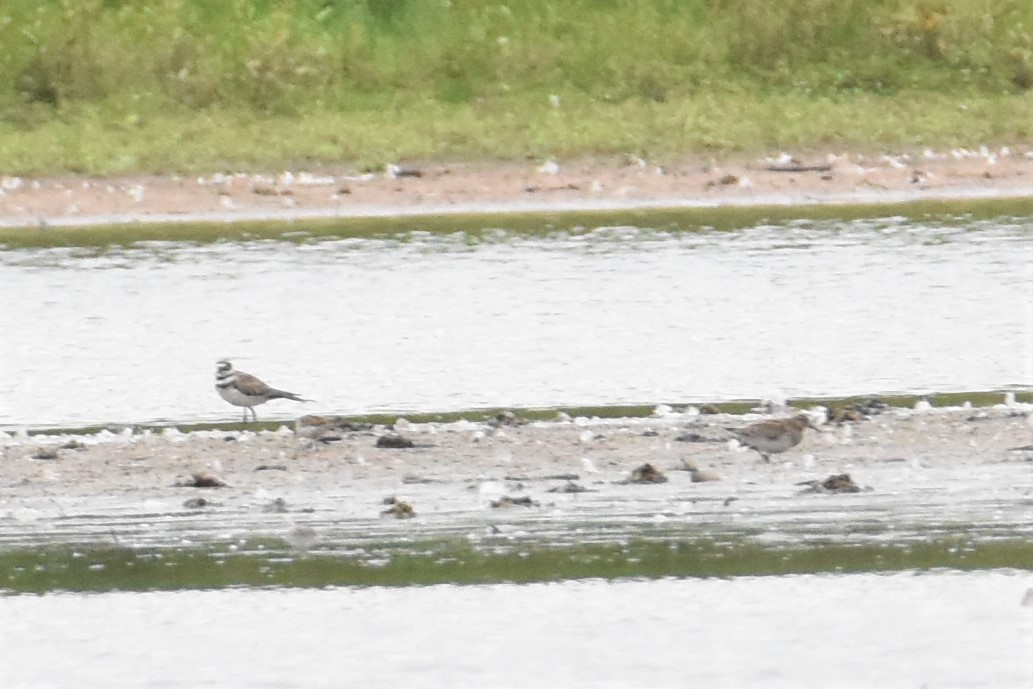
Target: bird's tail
(275, 394)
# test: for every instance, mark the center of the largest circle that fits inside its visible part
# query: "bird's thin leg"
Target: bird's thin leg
(245, 415)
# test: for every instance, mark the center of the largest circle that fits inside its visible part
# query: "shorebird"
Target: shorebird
(245, 390)
(774, 436)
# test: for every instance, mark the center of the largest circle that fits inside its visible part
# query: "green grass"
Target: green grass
(112, 86)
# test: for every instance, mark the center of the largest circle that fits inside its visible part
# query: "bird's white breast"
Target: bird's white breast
(234, 396)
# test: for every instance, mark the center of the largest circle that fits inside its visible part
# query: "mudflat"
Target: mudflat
(338, 482)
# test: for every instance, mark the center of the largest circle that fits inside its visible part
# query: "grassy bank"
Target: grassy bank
(105, 86)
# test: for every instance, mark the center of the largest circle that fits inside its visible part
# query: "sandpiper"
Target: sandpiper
(245, 390)
(774, 436)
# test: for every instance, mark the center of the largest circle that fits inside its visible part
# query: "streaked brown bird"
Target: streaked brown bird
(773, 436)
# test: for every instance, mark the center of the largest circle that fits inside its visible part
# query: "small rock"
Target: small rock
(841, 415)
(395, 172)
(327, 429)
(646, 473)
(696, 474)
(353, 426)
(395, 441)
(569, 487)
(871, 407)
(277, 506)
(692, 438)
(414, 478)
(45, 454)
(550, 477)
(549, 167)
(399, 509)
(202, 480)
(195, 503)
(837, 483)
(271, 467)
(507, 418)
(709, 409)
(703, 475)
(73, 445)
(507, 501)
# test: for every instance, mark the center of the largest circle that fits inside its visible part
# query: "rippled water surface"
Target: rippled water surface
(942, 629)
(430, 322)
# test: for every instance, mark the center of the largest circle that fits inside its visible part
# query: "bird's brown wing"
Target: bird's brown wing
(249, 385)
(764, 429)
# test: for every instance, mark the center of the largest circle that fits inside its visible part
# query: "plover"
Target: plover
(244, 390)
(774, 436)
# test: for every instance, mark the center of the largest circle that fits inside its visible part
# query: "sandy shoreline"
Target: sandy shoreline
(962, 465)
(587, 184)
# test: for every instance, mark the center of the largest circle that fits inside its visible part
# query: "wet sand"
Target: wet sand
(917, 469)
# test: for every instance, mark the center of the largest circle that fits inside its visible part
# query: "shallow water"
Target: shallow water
(940, 629)
(430, 322)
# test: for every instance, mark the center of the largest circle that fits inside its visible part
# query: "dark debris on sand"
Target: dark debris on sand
(329, 429)
(399, 509)
(647, 473)
(507, 418)
(395, 441)
(548, 477)
(691, 437)
(837, 483)
(201, 480)
(858, 412)
(508, 501)
(276, 506)
(570, 487)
